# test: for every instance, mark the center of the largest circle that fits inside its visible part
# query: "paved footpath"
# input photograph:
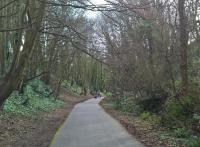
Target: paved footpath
(89, 125)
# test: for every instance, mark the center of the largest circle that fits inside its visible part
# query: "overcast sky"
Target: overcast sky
(92, 14)
(98, 2)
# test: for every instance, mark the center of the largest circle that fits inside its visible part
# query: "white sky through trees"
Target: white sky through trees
(93, 14)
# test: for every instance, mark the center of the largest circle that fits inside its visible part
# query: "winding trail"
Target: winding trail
(90, 126)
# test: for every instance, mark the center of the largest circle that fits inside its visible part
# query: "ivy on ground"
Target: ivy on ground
(36, 97)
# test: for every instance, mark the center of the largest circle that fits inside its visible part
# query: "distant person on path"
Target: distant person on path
(98, 94)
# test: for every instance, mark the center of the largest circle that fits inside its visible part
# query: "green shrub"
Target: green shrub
(76, 89)
(40, 87)
(108, 94)
(32, 101)
(148, 116)
(192, 141)
(145, 115)
(128, 105)
(196, 118)
(196, 143)
(182, 133)
(153, 100)
(180, 111)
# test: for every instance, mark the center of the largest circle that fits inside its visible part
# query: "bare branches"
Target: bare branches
(82, 6)
(75, 44)
(6, 5)
(13, 29)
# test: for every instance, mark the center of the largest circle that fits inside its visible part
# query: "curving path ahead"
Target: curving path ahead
(90, 126)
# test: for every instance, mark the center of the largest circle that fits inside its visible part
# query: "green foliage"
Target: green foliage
(145, 115)
(128, 105)
(195, 143)
(180, 138)
(150, 117)
(182, 133)
(41, 88)
(183, 119)
(174, 113)
(111, 102)
(180, 111)
(196, 118)
(108, 94)
(36, 98)
(72, 87)
(153, 101)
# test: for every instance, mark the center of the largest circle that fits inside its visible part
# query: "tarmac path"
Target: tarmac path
(89, 125)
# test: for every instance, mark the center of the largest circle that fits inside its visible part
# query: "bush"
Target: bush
(196, 143)
(73, 88)
(32, 102)
(128, 105)
(40, 87)
(182, 133)
(196, 118)
(178, 112)
(108, 94)
(148, 116)
(145, 115)
(153, 101)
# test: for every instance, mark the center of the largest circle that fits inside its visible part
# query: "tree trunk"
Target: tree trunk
(47, 76)
(2, 56)
(13, 77)
(183, 47)
(58, 87)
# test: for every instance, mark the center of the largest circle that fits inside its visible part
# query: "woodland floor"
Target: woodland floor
(143, 131)
(35, 132)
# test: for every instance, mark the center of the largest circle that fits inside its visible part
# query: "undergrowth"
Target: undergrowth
(36, 98)
(179, 120)
(74, 88)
